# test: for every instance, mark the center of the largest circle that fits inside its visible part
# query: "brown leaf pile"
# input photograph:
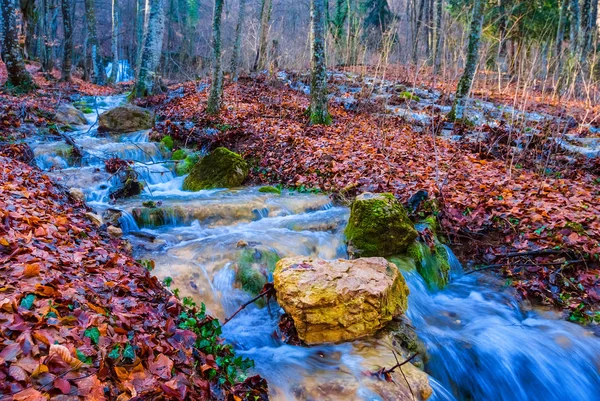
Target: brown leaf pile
(79, 318)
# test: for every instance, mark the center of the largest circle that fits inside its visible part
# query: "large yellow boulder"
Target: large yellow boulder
(340, 300)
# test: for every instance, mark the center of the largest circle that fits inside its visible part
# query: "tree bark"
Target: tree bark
(437, 35)
(18, 76)
(237, 46)
(98, 72)
(265, 18)
(418, 23)
(216, 88)
(466, 81)
(114, 43)
(67, 64)
(319, 113)
(585, 32)
(151, 51)
(574, 26)
(560, 35)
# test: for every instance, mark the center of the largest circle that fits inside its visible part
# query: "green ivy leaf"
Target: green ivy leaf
(115, 353)
(129, 352)
(93, 334)
(27, 301)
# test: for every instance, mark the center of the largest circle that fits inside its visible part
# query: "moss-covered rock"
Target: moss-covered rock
(222, 168)
(69, 115)
(254, 267)
(126, 118)
(378, 226)
(168, 142)
(432, 265)
(270, 190)
(185, 166)
(150, 217)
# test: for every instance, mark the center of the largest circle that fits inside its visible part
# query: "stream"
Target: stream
(482, 343)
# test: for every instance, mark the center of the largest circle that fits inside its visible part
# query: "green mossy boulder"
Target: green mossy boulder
(270, 190)
(378, 226)
(254, 267)
(185, 166)
(222, 168)
(167, 141)
(179, 154)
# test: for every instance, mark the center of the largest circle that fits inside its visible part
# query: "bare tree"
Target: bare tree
(18, 76)
(67, 64)
(216, 88)
(265, 18)
(237, 46)
(466, 81)
(99, 75)
(150, 58)
(319, 113)
(114, 44)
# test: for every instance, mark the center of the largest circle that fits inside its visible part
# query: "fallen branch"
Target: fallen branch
(499, 265)
(530, 253)
(268, 291)
(385, 374)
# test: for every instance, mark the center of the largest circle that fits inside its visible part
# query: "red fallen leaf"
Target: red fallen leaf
(91, 388)
(161, 366)
(63, 385)
(29, 394)
(10, 353)
(17, 373)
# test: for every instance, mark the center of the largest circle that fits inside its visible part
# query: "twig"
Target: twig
(403, 375)
(399, 364)
(268, 289)
(499, 265)
(529, 253)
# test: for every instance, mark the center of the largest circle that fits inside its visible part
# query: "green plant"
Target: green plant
(179, 154)
(168, 142)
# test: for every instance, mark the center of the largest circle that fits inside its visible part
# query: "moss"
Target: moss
(149, 204)
(87, 110)
(378, 226)
(222, 168)
(432, 266)
(152, 216)
(254, 267)
(270, 190)
(179, 154)
(167, 141)
(184, 166)
(409, 96)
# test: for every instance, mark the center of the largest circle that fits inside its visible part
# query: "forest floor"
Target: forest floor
(536, 219)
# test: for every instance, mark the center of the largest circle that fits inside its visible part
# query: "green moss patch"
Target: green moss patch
(270, 190)
(222, 168)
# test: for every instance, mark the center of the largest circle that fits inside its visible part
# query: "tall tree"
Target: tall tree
(150, 58)
(319, 113)
(114, 44)
(560, 35)
(18, 76)
(586, 31)
(216, 87)
(574, 19)
(437, 35)
(466, 81)
(99, 74)
(237, 46)
(67, 63)
(260, 62)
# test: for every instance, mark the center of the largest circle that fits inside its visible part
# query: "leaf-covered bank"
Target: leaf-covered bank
(79, 317)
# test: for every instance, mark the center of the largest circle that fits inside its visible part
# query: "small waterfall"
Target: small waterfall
(127, 222)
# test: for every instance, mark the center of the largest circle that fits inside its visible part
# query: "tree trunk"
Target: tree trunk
(65, 6)
(466, 81)
(114, 43)
(216, 88)
(585, 32)
(560, 35)
(237, 46)
(265, 18)
(318, 85)
(98, 72)
(574, 26)
(139, 29)
(29, 12)
(437, 35)
(18, 76)
(153, 39)
(418, 22)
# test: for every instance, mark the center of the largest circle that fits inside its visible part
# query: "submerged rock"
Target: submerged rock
(114, 232)
(222, 168)
(77, 194)
(126, 118)
(112, 216)
(432, 264)
(254, 268)
(128, 185)
(69, 115)
(341, 300)
(378, 226)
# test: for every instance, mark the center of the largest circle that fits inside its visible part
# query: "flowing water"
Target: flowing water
(482, 344)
